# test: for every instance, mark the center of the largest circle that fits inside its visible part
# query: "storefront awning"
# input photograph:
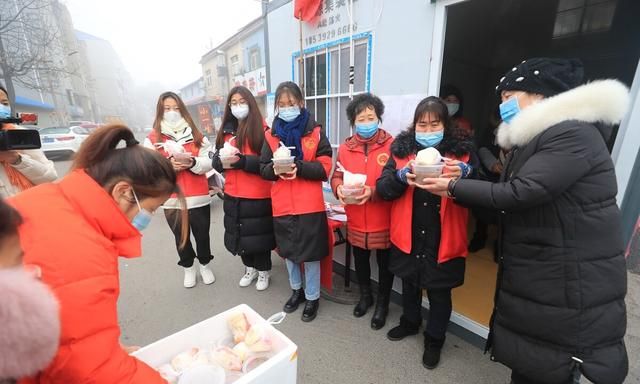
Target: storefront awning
(26, 102)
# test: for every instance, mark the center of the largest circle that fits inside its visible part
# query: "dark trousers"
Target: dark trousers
(199, 224)
(516, 378)
(260, 261)
(440, 307)
(363, 269)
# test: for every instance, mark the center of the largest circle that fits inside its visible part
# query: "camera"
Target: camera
(18, 139)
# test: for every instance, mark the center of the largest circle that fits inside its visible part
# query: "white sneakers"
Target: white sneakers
(207, 274)
(263, 281)
(190, 276)
(249, 276)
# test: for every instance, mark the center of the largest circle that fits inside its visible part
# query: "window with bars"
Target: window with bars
(326, 84)
(254, 59)
(583, 16)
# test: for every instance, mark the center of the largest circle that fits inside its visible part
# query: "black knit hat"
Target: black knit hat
(544, 76)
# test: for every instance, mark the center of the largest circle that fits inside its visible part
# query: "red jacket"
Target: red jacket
(75, 232)
(453, 222)
(301, 196)
(239, 183)
(190, 183)
(369, 159)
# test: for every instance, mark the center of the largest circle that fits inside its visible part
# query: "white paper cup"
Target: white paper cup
(424, 171)
(284, 165)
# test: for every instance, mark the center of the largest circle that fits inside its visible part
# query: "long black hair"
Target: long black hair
(249, 129)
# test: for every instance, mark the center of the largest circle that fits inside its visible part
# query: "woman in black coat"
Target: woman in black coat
(248, 220)
(559, 308)
(428, 233)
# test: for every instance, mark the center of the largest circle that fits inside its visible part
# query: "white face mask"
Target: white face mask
(453, 108)
(240, 111)
(172, 117)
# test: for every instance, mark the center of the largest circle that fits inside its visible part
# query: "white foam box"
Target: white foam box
(282, 368)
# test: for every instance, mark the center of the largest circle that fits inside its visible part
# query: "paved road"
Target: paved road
(334, 348)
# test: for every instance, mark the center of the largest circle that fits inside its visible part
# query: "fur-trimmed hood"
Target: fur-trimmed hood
(405, 145)
(602, 102)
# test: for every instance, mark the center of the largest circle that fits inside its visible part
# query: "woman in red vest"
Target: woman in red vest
(75, 231)
(367, 152)
(174, 123)
(248, 218)
(299, 217)
(428, 234)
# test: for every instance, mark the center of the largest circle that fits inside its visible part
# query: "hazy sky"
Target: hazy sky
(163, 40)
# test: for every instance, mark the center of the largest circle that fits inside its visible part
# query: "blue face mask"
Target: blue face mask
(509, 109)
(5, 111)
(429, 139)
(367, 130)
(143, 218)
(289, 114)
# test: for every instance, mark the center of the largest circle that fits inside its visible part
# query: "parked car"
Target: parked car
(62, 141)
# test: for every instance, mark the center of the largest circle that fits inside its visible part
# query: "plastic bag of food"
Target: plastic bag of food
(239, 326)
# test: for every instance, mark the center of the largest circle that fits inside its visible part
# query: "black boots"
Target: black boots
(297, 298)
(385, 283)
(379, 318)
(310, 310)
(294, 301)
(403, 330)
(366, 301)
(432, 348)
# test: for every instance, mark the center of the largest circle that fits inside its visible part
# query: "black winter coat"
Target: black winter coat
(562, 278)
(248, 223)
(301, 238)
(421, 266)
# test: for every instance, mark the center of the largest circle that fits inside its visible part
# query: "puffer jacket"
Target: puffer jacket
(562, 279)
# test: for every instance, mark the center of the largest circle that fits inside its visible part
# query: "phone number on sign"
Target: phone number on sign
(330, 35)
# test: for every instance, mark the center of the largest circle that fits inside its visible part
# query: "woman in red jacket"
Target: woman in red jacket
(428, 234)
(248, 218)
(299, 216)
(174, 124)
(75, 231)
(367, 152)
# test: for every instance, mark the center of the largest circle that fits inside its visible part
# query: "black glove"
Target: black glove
(240, 164)
(216, 163)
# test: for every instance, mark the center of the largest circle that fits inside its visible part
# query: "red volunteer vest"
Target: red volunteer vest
(243, 184)
(372, 216)
(453, 222)
(299, 196)
(190, 183)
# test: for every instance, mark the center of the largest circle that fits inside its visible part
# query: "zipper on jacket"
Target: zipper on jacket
(366, 172)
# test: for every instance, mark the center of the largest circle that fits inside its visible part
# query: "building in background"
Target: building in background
(43, 65)
(403, 54)
(194, 97)
(109, 81)
(239, 60)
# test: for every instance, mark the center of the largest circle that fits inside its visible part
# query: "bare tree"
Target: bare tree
(31, 48)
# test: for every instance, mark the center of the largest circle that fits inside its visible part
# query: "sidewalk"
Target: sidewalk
(334, 348)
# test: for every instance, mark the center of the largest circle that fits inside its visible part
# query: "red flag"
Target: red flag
(306, 10)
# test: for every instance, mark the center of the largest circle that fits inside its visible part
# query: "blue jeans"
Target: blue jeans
(311, 277)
